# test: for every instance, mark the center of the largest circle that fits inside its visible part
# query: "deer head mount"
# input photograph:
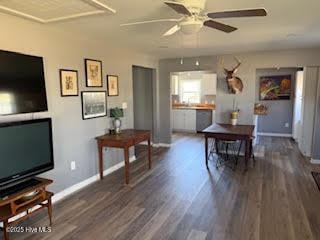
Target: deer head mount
(235, 84)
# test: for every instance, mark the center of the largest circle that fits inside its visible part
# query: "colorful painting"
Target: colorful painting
(275, 87)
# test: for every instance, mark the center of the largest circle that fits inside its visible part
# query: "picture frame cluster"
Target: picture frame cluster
(94, 103)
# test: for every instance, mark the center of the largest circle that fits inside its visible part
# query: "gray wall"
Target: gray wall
(279, 112)
(143, 98)
(316, 138)
(73, 137)
(247, 72)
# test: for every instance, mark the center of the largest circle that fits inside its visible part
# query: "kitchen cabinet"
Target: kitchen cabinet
(184, 120)
(209, 84)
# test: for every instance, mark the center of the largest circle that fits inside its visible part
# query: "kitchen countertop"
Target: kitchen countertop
(193, 108)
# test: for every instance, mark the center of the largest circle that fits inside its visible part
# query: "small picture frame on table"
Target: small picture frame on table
(113, 85)
(93, 70)
(94, 104)
(69, 83)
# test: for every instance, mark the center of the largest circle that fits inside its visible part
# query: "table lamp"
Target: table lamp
(116, 114)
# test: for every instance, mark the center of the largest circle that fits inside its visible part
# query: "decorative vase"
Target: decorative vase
(117, 125)
(234, 122)
(234, 118)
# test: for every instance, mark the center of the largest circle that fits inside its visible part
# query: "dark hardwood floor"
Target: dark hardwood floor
(180, 199)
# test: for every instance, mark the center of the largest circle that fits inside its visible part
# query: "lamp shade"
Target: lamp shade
(116, 112)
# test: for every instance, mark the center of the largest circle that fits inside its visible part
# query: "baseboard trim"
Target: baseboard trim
(315, 161)
(74, 188)
(163, 145)
(275, 134)
(156, 144)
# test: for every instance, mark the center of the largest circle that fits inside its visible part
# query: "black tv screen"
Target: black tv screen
(25, 149)
(22, 84)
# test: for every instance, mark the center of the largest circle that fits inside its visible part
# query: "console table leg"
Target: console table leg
(50, 211)
(100, 151)
(206, 150)
(5, 232)
(126, 164)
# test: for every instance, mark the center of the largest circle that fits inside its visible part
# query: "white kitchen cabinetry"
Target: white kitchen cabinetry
(209, 84)
(184, 120)
(190, 120)
(174, 85)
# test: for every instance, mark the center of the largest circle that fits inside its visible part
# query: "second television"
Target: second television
(22, 84)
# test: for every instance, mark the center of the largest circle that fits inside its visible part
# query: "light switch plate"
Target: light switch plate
(73, 165)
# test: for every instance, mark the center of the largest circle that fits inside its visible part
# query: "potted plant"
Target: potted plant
(116, 114)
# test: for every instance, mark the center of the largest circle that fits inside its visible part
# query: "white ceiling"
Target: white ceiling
(289, 24)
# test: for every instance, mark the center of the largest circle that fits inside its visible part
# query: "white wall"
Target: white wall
(73, 137)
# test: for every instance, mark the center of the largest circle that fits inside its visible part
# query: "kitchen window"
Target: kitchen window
(190, 91)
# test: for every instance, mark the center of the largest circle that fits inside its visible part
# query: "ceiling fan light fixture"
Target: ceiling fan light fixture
(191, 27)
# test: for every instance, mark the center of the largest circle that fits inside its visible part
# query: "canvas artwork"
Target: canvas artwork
(93, 73)
(275, 87)
(113, 88)
(69, 82)
(94, 104)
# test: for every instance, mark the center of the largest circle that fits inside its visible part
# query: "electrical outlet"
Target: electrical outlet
(287, 125)
(73, 165)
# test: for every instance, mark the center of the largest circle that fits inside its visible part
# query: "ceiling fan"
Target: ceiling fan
(194, 18)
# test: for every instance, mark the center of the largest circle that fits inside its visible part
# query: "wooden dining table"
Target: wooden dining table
(228, 132)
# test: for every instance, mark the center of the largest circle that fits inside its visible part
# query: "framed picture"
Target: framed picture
(69, 83)
(94, 104)
(112, 85)
(93, 69)
(275, 87)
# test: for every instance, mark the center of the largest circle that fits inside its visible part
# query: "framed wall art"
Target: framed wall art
(275, 87)
(93, 69)
(112, 85)
(94, 104)
(69, 83)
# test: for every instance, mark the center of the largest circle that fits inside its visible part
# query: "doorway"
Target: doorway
(143, 98)
(276, 90)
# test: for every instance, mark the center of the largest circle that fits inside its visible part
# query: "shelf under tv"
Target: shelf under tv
(20, 202)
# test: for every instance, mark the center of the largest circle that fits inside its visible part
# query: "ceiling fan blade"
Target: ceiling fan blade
(219, 26)
(151, 21)
(178, 7)
(172, 31)
(259, 12)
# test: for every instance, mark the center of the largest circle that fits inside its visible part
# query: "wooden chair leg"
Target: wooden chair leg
(50, 210)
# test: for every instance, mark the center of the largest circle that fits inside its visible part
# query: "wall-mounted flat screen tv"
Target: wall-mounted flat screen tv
(22, 84)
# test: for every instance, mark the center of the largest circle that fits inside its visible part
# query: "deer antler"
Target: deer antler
(221, 64)
(238, 64)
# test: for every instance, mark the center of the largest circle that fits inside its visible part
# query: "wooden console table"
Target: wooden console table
(125, 140)
(18, 203)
